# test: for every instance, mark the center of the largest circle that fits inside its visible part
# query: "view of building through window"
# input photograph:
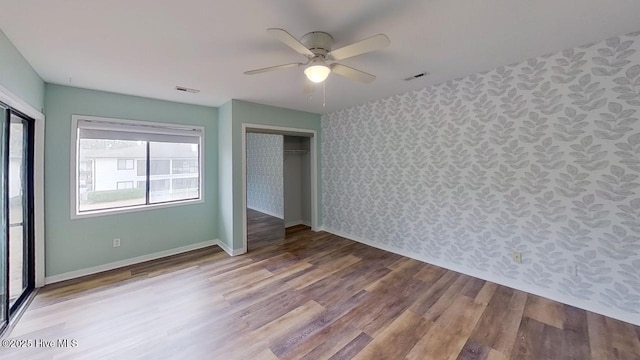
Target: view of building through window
(113, 173)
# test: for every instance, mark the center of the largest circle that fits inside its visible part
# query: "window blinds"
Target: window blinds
(107, 130)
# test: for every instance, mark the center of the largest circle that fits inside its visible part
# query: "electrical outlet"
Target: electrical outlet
(116, 242)
(517, 257)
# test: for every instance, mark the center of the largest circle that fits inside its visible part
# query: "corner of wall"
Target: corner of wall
(225, 178)
(18, 76)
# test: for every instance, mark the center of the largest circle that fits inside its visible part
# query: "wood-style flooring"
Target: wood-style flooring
(263, 229)
(309, 296)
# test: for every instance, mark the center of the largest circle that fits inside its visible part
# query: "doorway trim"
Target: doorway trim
(313, 155)
(9, 98)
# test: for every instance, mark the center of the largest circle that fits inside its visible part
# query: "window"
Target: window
(85, 175)
(186, 183)
(160, 185)
(121, 185)
(108, 188)
(125, 164)
(161, 156)
(107, 146)
(160, 167)
(184, 167)
(142, 167)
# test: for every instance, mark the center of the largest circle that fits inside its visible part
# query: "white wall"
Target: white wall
(265, 174)
(540, 158)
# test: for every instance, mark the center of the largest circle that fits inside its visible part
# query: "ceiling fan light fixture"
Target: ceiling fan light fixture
(317, 73)
(317, 47)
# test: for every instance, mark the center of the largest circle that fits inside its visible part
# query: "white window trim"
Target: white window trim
(73, 174)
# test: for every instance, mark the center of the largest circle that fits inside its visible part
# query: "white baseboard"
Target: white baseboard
(132, 261)
(228, 250)
(514, 284)
(266, 212)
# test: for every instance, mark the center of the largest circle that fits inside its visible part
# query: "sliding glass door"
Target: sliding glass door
(20, 201)
(16, 220)
(4, 253)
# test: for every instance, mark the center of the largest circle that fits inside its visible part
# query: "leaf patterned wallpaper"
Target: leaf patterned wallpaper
(265, 173)
(541, 157)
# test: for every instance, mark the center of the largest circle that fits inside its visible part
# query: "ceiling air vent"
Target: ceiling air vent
(416, 76)
(186, 89)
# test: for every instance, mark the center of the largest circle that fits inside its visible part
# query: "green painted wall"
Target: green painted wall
(251, 113)
(225, 179)
(84, 243)
(17, 75)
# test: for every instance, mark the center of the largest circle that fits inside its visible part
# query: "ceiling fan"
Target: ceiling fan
(316, 46)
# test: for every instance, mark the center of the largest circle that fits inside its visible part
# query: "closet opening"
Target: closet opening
(279, 184)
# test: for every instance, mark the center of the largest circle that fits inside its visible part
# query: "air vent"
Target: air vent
(186, 89)
(416, 76)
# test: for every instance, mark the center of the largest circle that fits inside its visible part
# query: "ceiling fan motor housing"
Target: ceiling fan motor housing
(318, 42)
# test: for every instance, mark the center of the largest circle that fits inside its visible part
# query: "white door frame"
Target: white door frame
(15, 102)
(279, 130)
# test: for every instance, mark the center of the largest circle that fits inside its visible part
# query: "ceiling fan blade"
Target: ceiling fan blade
(290, 41)
(375, 42)
(351, 73)
(272, 68)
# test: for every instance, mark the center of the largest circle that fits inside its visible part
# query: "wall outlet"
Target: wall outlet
(116, 242)
(517, 257)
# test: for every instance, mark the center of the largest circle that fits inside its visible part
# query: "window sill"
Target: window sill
(131, 209)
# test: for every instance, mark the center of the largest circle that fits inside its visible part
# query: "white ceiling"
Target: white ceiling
(147, 47)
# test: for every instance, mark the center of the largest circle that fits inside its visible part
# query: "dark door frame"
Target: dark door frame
(28, 208)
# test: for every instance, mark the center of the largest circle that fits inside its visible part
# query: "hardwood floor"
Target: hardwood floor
(263, 229)
(309, 296)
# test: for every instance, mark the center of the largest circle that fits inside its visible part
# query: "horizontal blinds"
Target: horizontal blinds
(279, 132)
(90, 129)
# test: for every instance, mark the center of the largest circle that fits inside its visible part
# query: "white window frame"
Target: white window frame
(73, 195)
